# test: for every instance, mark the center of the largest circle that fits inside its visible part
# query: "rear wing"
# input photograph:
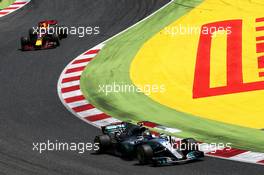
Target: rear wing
(113, 128)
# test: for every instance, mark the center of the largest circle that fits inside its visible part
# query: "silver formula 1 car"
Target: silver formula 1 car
(132, 141)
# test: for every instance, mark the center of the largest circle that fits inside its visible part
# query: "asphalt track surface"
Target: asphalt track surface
(32, 112)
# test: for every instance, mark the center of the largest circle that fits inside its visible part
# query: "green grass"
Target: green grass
(5, 3)
(112, 65)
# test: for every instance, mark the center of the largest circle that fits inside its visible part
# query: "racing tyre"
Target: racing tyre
(62, 32)
(32, 35)
(104, 142)
(24, 42)
(198, 154)
(144, 154)
(189, 144)
(55, 38)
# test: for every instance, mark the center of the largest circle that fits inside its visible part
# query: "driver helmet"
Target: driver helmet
(44, 25)
(163, 136)
(147, 133)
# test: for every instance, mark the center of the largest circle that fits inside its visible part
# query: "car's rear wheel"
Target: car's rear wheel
(55, 38)
(144, 154)
(62, 32)
(103, 142)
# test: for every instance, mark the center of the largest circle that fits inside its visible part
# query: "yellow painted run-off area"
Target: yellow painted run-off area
(210, 62)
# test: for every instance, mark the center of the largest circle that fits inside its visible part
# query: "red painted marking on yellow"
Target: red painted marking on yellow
(261, 62)
(260, 47)
(260, 19)
(259, 38)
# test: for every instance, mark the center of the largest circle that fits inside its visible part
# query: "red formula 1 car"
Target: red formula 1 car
(46, 36)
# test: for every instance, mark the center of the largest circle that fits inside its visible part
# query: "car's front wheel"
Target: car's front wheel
(189, 144)
(32, 35)
(144, 154)
(24, 42)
